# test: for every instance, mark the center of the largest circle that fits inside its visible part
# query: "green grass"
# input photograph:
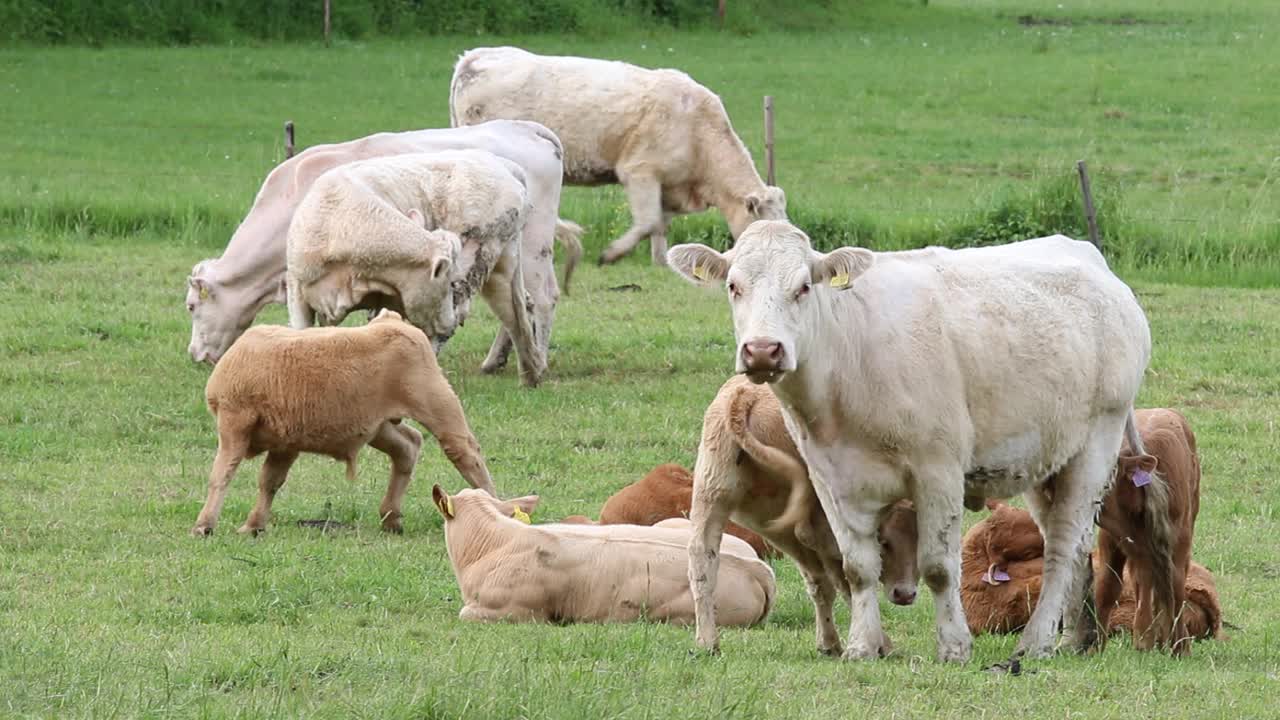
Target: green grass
(107, 607)
(912, 127)
(123, 166)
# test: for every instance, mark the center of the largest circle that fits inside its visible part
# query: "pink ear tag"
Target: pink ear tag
(1141, 477)
(994, 576)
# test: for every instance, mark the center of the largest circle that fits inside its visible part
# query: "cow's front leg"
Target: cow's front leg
(938, 514)
(861, 549)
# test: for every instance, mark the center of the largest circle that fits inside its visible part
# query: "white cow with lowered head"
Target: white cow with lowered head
(934, 375)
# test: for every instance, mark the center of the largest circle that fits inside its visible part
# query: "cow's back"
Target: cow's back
(981, 345)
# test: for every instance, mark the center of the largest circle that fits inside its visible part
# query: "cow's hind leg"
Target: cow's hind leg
(403, 445)
(1067, 526)
(939, 514)
(644, 193)
(499, 351)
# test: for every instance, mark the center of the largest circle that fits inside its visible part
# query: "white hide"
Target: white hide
(419, 232)
(659, 133)
(935, 374)
(225, 294)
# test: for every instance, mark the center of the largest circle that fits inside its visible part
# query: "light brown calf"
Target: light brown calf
(1148, 521)
(748, 467)
(666, 492)
(510, 571)
(332, 391)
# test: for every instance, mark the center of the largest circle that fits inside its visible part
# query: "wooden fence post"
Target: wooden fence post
(768, 137)
(326, 23)
(288, 139)
(1090, 215)
(720, 12)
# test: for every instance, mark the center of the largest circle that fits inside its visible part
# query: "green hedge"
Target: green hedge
(215, 21)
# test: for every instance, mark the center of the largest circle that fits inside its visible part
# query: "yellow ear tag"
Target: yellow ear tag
(204, 293)
(522, 516)
(700, 272)
(448, 506)
(839, 281)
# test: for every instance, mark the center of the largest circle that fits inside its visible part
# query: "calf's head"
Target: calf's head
(473, 504)
(767, 204)
(898, 540)
(777, 284)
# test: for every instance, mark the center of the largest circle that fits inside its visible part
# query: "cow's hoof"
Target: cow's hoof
(393, 528)
(833, 651)
(609, 258)
(252, 530)
(865, 652)
(954, 652)
(201, 531)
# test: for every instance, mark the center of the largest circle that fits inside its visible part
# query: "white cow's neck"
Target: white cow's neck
(832, 352)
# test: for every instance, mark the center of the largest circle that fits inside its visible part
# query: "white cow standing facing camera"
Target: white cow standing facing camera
(934, 375)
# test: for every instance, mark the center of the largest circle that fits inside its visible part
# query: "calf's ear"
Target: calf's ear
(521, 505)
(840, 267)
(443, 502)
(698, 263)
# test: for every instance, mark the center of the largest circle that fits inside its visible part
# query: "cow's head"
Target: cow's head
(470, 501)
(767, 204)
(221, 312)
(898, 541)
(774, 278)
(430, 304)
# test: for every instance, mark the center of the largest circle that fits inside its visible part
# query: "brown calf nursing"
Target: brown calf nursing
(1001, 563)
(332, 391)
(749, 467)
(1148, 521)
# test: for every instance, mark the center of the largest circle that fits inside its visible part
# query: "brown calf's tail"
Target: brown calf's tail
(775, 461)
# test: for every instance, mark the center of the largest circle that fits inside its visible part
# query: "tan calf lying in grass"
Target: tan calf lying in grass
(508, 570)
(332, 391)
(749, 468)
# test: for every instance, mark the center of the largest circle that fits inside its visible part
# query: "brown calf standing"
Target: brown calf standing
(1148, 520)
(666, 492)
(749, 467)
(1202, 613)
(332, 391)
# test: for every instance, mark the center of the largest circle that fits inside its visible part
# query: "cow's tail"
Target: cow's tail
(1159, 532)
(569, 235)
(800, 496)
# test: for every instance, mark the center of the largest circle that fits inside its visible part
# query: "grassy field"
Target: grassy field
(124, 166)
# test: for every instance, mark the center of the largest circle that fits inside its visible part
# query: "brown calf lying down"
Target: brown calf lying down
(511, 571)
(332, 391)
(1002, 563)
(666, 492)
(749, 468)
(1148, 520)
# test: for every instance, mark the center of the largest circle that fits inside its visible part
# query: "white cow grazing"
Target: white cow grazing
(225, 294)
(933, 375)
(666, 138)
(420, 233)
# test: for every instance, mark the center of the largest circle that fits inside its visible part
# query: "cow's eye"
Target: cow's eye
(804, 290)
(191, 307)
(733, 289)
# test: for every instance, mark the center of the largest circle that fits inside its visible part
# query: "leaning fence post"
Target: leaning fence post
(326, 23)
(768, 137)
(288, 139)
(1090, 215)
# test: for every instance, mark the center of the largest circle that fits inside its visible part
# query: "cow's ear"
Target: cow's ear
(416, 216)
(840, 267)
(698, 263)
(443, 502)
